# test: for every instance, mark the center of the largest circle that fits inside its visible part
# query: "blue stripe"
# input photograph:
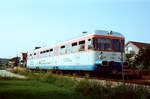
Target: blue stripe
(93, 67)
(66, 67)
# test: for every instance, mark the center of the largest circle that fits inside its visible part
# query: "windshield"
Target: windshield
(118, 45)
(104, 44)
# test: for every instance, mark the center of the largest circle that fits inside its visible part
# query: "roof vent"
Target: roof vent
(109, 33)
(84, 32)
(37, 48)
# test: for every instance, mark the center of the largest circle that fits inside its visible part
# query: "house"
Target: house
(14, 61)
(133, 47)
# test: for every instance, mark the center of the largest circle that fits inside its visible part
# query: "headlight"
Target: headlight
(104, 63)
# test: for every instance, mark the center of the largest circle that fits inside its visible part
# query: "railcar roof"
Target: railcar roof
(96, 32)
(108, 33)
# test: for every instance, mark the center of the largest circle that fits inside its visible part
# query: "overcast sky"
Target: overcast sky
(25, 24)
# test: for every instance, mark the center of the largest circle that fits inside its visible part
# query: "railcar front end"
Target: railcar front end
(109, 52)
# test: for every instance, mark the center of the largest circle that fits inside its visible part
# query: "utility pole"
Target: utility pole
(122, 44)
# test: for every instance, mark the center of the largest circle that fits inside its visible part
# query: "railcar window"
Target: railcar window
(62, 50)
(47, 51)
(41, 53)
(51, 52)
(34, 55)
(122, 45)
(74, 47)
(118, 45)
(37, 54)
(90, 44)
(44, 53)
(104, 44)
(68, 47)
(30, 56)
(82, 45)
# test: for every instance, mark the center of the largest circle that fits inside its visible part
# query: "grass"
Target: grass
(39, 86)
(33, 89)
(49, 86)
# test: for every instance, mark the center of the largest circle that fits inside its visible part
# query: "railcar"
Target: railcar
(97, 51)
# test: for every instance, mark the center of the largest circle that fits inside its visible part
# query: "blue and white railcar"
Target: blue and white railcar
(91, 52)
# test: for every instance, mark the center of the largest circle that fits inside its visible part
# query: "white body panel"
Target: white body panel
(74, 61)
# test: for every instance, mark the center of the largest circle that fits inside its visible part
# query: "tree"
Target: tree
(143, 58)
(129, 59)
(17, 61)
(6, 64)
(146, 57)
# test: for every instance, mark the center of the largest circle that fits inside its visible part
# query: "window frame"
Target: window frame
(82, 43)
(51, 52)
(74, 45)
(62, 49)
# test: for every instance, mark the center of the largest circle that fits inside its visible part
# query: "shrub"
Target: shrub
(93, 89)
(97, 91)
(57, 80)
(74, 76)
(148, 67)
(19, 70)
(48, 77)
(65, 82)
(130, 91)
(108, 84)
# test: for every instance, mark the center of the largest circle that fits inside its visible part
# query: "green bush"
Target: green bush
(48, 77)
(130, 91)
(19, 70)
(57, 80)
(97, 91)
(65, 82)
(93, 89)
(148, 67)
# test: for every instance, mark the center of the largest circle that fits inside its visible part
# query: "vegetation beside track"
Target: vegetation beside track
(47, 85)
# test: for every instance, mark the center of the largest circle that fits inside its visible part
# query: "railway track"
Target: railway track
(134, 77)
(109, 82)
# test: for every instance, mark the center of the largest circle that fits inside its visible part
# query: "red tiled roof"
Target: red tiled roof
(14, 58)
(138, 44)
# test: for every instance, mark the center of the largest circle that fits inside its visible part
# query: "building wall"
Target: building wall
(131, 48)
